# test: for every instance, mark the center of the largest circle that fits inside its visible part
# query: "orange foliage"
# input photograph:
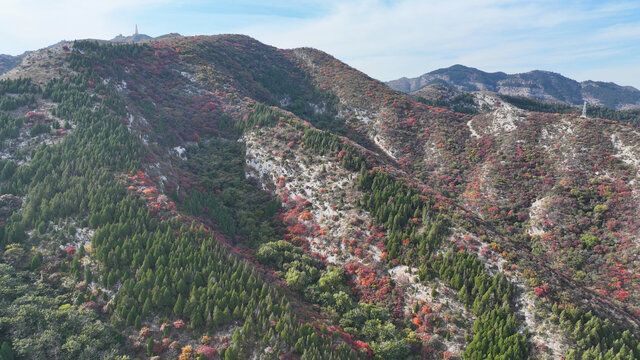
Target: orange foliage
(150, 191)
(306, 215)
(186, 353)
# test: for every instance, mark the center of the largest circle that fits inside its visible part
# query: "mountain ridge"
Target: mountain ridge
(8, 62)
(540, 84)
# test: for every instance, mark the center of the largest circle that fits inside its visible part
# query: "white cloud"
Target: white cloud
(619, 32)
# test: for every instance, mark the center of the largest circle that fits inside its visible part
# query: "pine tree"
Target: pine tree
(36, 261)
(131, 317)
(5, 352)
(146, 308)
(150, 345)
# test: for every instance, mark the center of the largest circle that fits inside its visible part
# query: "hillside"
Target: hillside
(543, 85)
(216, 197)
(8, 62)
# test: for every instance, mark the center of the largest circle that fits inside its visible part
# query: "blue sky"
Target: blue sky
(596, 40)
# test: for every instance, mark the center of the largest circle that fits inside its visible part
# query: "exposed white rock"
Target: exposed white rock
(630, 155)
(180, 151)
(189, 76)
(535, 217)
(383, 145)
(473, 132)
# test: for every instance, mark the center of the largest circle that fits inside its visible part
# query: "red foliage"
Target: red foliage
(357, 344)
(297, 229)
(70, 250)
(145, 332)
(541, 290)
(306, 215)
(208, 351)
(178, 324)
(621, 295)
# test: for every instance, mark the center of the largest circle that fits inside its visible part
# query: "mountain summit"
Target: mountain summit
(543, 85)
(130, 39)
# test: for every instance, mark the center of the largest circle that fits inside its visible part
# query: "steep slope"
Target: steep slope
(543, 85)
(218, 196)
(504, 163)
(507, 152)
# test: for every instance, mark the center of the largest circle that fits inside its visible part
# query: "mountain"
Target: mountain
(216, 197)
(543, 85)
(8, 62)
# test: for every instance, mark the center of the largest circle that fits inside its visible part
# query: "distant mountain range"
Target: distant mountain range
(543, 85)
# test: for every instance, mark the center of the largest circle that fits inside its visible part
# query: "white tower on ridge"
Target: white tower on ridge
(136, 33)
(584, 111)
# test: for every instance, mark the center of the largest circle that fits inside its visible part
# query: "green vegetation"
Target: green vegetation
(40, 318)
(224, 195)
(526, 103)
(595, 338)
(160, 267)
(531, 104)
(463, 103)
(397, 206)
(38, 321)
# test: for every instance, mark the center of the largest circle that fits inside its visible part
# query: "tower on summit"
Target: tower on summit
(136, 33)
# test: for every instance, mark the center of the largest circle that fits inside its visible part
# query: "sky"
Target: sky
(386, 39)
